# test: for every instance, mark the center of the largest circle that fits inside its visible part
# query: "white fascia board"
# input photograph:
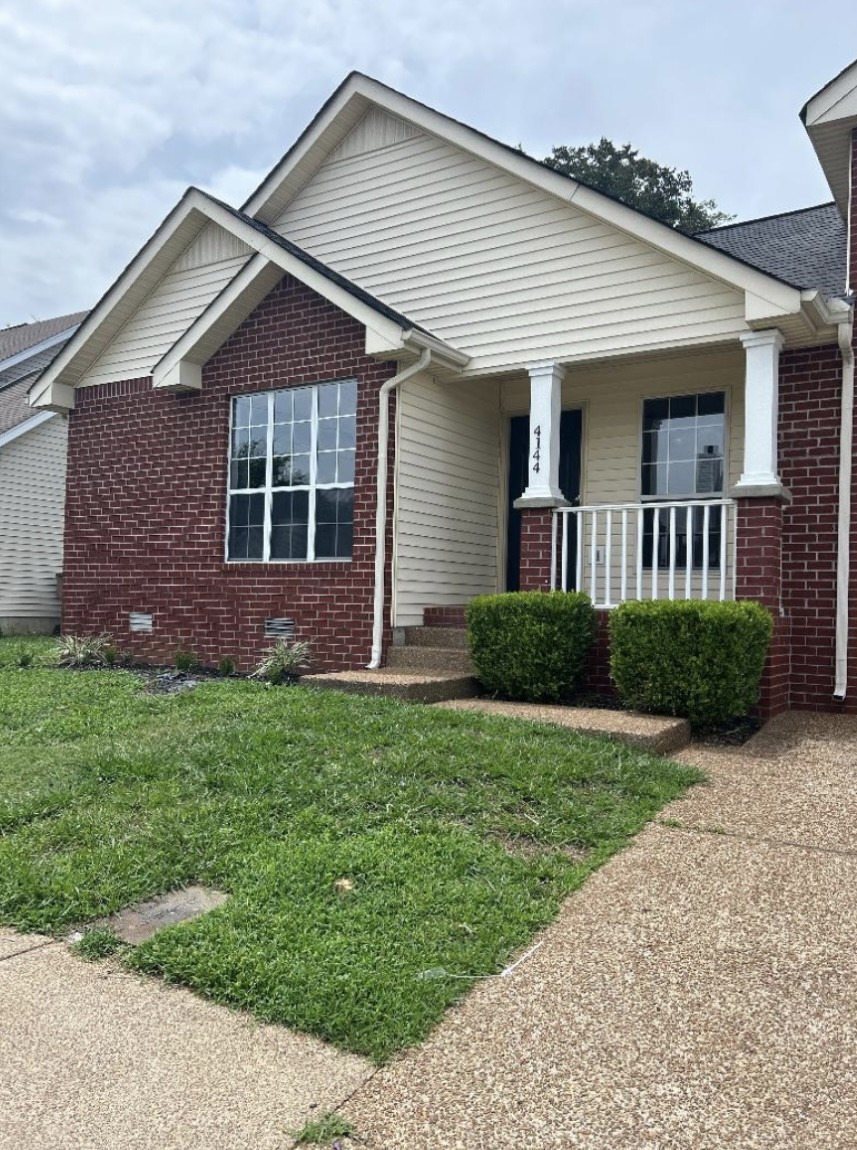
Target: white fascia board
(55, 385)
(835, 101)
(22, 428)
(38, 348)
(783, 299)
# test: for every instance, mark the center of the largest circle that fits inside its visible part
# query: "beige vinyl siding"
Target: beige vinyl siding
(502, 270)
(447, 495)
(32, 504)
(611, 398)
(200, 273)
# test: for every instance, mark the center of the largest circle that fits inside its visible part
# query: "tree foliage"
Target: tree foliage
(664, 193)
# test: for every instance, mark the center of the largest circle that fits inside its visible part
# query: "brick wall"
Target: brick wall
(146, 506)
(536, 527)
(810, 396)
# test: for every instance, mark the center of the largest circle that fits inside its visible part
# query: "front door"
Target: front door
(570, 430)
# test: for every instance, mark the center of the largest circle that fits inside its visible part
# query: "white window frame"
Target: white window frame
(727, 418)
(268, 490)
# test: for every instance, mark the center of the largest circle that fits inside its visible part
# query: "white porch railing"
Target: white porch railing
(671, 550)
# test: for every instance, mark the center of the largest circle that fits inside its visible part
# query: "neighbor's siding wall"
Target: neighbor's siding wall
(199, 274)
(500, 269)
(32, 498)
(447, 495)
(146, 509)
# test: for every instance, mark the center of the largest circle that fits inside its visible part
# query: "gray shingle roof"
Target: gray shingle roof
(14, 340)
(17, 378)
(806, 247)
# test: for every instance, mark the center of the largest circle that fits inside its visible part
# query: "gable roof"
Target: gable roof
(805, 247)
(830, 116)
(358, 93)
(196, 209)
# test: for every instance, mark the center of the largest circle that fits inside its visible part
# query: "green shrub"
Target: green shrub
(530, 645)
(226, 667)
(24, 656)
(700, 660)
(185, 660)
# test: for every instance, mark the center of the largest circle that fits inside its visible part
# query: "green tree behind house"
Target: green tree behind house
(664, 193)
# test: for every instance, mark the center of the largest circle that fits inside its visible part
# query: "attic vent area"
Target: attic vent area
(137, 621)
(279, 628)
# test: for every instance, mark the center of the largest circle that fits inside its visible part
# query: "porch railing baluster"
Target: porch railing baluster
(662, 518)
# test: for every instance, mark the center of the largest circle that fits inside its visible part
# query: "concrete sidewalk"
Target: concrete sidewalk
(92, 1057)
(700, 991)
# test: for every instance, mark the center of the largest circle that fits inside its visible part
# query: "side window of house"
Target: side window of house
(291, 473)
(684, 443)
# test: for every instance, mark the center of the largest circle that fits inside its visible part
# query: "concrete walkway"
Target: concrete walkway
(700, 991)
(93, 1057)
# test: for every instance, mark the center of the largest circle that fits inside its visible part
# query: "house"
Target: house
(418, 365)
(32, 480)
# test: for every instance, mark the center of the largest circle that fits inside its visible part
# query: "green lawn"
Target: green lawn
(460, 835)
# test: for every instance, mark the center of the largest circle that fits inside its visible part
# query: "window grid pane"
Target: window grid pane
(683, 447)
(283, 446)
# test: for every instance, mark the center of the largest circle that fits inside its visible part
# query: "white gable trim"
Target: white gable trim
(54, 388)
(358, 93)
(829, 118)
(22, 428)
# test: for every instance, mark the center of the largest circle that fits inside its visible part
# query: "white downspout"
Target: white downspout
(381, 501)
(843, 542)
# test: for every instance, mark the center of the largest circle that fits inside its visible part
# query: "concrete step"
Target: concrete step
(429, 659)
(414, 686)
(454, 637)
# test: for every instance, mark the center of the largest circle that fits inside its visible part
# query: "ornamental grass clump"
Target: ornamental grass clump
(699, 660)
(530, 645)
(282, 662)
(82, 650)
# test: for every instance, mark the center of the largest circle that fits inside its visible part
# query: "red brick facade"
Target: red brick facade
(536, 528)
(146, 505)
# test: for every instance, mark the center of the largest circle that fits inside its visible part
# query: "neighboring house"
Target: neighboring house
(547, 388)
(32, 480)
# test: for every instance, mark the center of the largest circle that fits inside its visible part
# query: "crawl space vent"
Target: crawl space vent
(137, 621)
(279, 628)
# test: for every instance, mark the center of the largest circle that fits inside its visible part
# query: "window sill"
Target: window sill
(285, 562)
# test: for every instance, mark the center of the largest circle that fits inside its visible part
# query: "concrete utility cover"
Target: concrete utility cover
(138, 923)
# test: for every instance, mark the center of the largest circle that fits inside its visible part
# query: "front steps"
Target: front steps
(432, 667)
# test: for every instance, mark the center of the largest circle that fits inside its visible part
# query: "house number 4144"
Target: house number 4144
(537, 454)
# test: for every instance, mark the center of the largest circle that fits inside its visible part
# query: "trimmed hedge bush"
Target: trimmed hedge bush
(530, 645)
(702, 661)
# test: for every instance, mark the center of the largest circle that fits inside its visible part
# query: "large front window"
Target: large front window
(684, 440)
(291, 473)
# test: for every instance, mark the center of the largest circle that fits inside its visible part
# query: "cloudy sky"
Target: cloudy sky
(110, 108)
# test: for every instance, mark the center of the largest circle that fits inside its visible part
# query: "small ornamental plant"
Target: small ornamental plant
(282, 662)
(82, 650)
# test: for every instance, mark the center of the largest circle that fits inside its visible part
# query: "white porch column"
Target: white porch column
(545, 403)
(761, 475)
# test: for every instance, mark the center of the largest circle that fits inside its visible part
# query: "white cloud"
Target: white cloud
(108, 111)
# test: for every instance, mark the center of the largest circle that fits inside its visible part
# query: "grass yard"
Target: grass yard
(458, 835)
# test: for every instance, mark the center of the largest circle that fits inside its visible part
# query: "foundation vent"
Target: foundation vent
(138, 621)
(279, 628)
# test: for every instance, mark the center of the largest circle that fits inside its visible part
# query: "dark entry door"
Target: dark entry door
(519, 473)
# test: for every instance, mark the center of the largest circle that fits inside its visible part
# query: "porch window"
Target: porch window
(684, 440)
(291, 474)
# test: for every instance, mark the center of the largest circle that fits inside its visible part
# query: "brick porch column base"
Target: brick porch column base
(758, 576)
(536, 548)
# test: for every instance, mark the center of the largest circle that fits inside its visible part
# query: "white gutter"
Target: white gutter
(381, 500)
(843, 541)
